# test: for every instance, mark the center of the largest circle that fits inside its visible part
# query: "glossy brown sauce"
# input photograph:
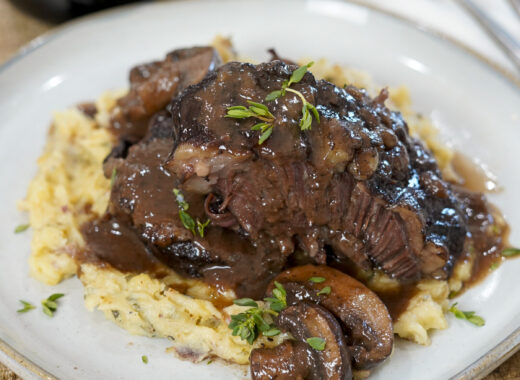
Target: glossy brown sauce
(143, 222)
(489, 234)
(397, 301)
(489, 230)
(473, 176)
(486, 262)
(113, 242)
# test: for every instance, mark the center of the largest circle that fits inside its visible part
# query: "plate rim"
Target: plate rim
(481, 367)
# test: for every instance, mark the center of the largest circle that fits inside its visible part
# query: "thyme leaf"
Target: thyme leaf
(249, 324)
(26, 307)
(325, 291)
(299, 73)
(21, 228)
(49, 305)
(510, 252)
(202, 226)
(316, 343)
(271, 332)
(469, 316)
(187, 221)
(261, 112)
(279, 300)
(245, 302)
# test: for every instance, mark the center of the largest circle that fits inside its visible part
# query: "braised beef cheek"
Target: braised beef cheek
(356, 182)
(353, 190)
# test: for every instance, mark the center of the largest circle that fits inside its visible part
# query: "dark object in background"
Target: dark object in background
(61, 10)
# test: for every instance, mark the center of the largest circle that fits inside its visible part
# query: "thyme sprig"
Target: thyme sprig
(187, 221)
(262, 113)
(279, 300)
(249, 324)
(307, 108)
(258, 111)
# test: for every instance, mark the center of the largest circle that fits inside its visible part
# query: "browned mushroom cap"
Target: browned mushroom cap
(288, 360)
(366, 321)
(297, 359)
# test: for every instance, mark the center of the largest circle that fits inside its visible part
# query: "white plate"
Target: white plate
(475, 106)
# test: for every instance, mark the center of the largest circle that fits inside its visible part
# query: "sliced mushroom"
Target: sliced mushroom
(297, 359)
(365, 319)
(288, 360)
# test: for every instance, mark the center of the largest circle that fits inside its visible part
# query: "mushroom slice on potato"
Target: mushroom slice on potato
(364, 317)
(297, 359)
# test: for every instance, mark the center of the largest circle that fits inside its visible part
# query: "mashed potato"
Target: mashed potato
(70, 188)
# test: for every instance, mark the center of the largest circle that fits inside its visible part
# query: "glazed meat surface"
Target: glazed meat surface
(353, 190)
(153, 85)
(355, 187)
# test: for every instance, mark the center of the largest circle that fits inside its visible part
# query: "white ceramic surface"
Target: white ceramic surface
(476, 108)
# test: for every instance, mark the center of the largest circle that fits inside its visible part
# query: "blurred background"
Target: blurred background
(23, 20)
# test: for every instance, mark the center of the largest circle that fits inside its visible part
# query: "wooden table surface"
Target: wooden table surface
(17, 28)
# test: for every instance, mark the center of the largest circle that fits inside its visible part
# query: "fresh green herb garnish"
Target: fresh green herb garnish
(279, 300)
(21, 228)
(307, 108)
(113, 177)
(26, 307)
(258, 111)
(272, 332)
(316, 343)
(50, 305)
(467, 315)
(186, 219)
(202, 226)
(265, 128)
(317, 280)
(249, 324)
(509, 252)
(245, 302)
(209, 362)
(493, 266)
(325, 291)
(144, 358)
(262, 113)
